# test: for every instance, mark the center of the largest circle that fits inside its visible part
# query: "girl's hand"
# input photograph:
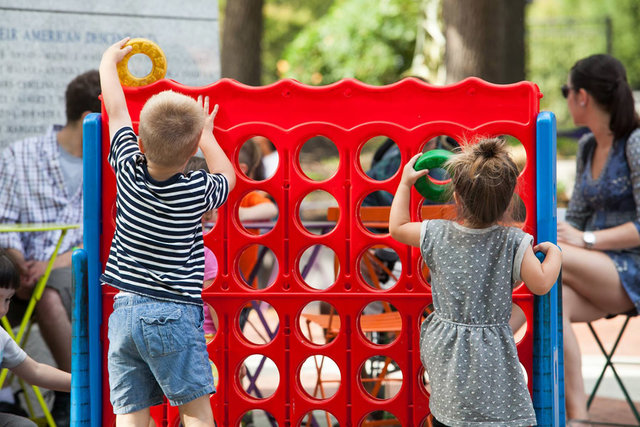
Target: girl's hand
(544, 247)
(409, 174)
(569, 234)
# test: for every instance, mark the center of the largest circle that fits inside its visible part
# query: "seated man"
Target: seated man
(40, 182)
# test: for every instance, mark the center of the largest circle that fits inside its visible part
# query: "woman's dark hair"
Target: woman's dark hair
(9, 272)
(605, 78)
(484, 176)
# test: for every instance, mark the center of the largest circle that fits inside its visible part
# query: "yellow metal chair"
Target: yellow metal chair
(25, 324)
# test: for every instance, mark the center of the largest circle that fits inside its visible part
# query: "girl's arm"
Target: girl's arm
(43, 375)
(400, 226)
(540, 277)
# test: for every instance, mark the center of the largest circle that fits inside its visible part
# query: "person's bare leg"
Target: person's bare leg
(591, 290)
(139, 418)
(197, 413)
(575, 307)
(55, 327)
(593, 275)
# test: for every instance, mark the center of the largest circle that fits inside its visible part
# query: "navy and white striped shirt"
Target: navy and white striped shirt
(157, 248)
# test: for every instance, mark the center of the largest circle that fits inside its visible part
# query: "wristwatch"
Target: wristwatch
(589, 239)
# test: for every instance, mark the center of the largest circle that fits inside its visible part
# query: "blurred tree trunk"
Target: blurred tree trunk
(241, 39)
(485, 38)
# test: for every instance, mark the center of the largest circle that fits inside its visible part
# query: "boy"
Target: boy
(13, 357)
(156, 341)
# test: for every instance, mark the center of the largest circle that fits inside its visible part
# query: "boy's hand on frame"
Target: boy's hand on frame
(209, 117)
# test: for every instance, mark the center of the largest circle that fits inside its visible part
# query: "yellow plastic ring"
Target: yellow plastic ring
(155, 54)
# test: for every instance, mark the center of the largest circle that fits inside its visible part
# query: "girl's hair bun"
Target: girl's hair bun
(489, 148)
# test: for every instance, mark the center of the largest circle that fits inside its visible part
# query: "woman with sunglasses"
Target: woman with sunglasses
(600, 239)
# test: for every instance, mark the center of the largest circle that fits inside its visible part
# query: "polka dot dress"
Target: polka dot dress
(466, 344)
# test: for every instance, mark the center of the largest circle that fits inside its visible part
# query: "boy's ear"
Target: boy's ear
(140, 146)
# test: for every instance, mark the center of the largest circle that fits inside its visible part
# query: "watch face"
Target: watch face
(589, 238)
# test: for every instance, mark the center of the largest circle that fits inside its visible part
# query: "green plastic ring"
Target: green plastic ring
(428, 189)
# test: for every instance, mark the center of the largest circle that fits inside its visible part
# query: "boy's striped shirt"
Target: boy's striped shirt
(157, 248)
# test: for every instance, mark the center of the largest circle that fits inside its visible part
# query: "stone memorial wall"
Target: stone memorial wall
(44, 44)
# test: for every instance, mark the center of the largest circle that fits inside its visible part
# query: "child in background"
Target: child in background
(156, 341)
(210, 262)
(13, 357)
(466, 344)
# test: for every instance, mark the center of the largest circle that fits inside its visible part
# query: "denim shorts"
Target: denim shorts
(156, 348)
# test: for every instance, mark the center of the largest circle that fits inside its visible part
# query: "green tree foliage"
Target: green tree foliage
(562, 31)
(373, 42)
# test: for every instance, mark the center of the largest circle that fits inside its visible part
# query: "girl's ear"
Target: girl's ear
(244, 168)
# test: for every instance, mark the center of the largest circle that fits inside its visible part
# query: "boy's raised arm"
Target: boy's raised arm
(112, 94)
(217, 160)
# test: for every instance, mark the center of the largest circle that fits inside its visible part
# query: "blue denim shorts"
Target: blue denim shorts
(156, 348)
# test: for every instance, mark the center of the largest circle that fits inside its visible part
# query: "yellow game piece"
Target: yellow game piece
(155, 54)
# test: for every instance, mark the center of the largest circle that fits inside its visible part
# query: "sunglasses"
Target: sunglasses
(565, 90)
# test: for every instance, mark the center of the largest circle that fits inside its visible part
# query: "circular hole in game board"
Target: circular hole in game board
(425, 313)
(516, 150)
(258, 322)
(257, 417)
(210, 322)
(257, 212)
(140, 65)
(210, 267)
(424, 271)
(319, 322)
(319, 376)
(257, 267)
(425, 383)
(380, 418)
(319, 158)
(319, 267)
(318, 418)
(380, 267)
(314, 210)
(215, 373)
(524, 372)
(380, 323)
(518, 322)
(441, 142)
(257, 158)
(258, 376)
(381, 377)
(373, 212)
(517, 211)
(380, 158)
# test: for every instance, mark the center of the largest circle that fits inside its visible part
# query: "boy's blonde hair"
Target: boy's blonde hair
(484, 176)
(170, 128)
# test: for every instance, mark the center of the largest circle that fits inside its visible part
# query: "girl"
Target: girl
(466, 344)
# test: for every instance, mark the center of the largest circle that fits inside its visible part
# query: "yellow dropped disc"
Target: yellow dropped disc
(155, 54)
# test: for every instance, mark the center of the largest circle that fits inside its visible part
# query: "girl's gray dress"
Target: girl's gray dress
(466, 344)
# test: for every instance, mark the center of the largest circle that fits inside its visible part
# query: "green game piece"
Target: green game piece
(428, 189)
